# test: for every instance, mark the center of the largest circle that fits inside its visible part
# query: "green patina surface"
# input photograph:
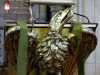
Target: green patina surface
(77, 30)
(22, 59)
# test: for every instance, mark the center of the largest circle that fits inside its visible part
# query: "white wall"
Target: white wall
(91, 8)
(97, 12)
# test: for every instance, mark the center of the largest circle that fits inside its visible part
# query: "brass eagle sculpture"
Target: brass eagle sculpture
(56, 54)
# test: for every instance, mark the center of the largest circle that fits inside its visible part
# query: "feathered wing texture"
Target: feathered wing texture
(59, 19)
(54, 48)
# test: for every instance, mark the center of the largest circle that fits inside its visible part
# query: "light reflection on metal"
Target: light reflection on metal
(53, 49)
